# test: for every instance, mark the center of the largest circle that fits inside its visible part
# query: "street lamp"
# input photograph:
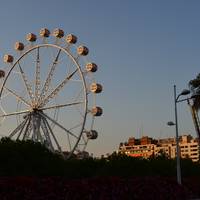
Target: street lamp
(176, 100)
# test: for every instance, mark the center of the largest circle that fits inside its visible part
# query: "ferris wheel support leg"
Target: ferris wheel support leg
(17, 129)
(36, 121)
(50, 130)
(67, 133)
(29, 131)
(47, 136)
(34, 136)
(27, 128)
(22, 129)
(40, 138)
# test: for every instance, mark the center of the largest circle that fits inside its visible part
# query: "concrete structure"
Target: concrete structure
(147, 147)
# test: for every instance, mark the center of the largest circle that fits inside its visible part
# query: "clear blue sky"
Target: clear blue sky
(142, 48)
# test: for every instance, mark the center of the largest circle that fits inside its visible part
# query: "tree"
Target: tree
(194, 86)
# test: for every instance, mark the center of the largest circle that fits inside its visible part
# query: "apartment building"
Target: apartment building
(147, 147)
(189, 148)
(145, 151)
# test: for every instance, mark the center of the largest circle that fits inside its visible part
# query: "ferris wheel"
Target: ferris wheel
(48, 93)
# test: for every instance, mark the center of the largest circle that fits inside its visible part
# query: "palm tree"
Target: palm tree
(194, 86)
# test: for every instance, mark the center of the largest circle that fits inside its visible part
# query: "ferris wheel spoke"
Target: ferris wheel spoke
(37, 75)
(17, 96)
(59, 125)
(52, 134)
(15, 113)
(81, 114)
(62, 105)
(27, 84)
(2, 109)
(57, 89)
(74, 127)
(76, 80)
(77, 97)
(84, 141)
(78, 94)
(5, 95)
(49, 77)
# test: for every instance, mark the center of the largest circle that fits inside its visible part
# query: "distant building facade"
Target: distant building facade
(147, 147)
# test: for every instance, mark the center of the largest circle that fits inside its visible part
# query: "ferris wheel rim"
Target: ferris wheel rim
(66, 51)
(34, 97)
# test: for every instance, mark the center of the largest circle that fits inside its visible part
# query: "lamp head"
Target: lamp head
(185, 92)
(170, 123)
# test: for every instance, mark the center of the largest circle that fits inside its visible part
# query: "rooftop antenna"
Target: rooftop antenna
(141, 131)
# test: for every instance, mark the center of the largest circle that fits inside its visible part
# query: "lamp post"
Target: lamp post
(176, 100)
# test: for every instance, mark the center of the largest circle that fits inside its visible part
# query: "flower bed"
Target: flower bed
(99, 188)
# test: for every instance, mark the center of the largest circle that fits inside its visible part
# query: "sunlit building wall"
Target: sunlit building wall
(147, 147)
